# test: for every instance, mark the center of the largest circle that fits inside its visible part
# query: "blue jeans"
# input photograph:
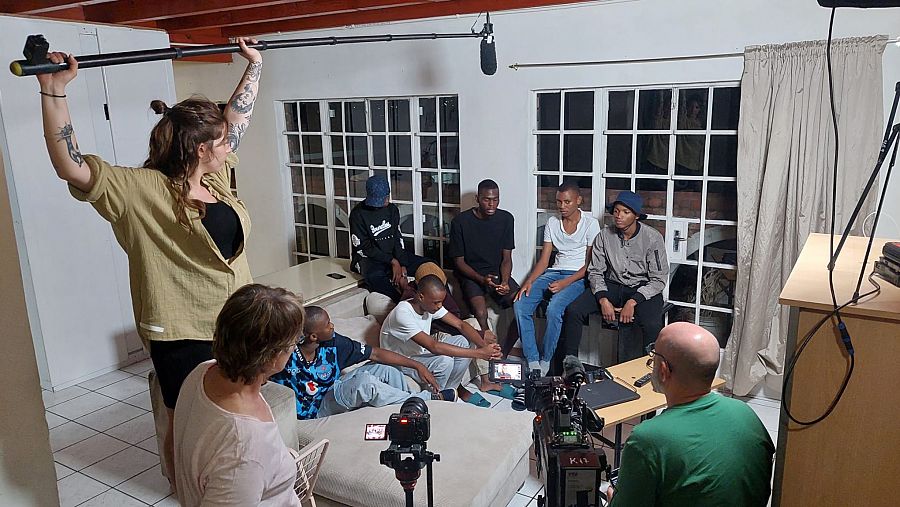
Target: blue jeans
(526, 305)
(371, 385)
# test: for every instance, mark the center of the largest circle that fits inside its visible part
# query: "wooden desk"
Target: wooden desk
(311, 279)
(650, 400)
(861, 438)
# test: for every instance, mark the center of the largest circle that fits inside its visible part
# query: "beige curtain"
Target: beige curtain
(785, 153)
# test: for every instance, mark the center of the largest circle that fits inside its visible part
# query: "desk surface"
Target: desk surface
(807, 287)
(650, 401)
(310, 279)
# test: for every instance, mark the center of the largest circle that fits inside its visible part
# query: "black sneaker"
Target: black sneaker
(445, 395)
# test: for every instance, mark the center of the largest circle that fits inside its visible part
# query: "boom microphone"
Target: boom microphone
(573, 370)
(488, 49)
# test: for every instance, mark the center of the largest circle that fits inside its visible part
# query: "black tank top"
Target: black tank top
(224, 227)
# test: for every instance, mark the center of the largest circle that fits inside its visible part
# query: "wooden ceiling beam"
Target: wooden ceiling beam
(132, 11)
(422, 11)
(283, 12)
(44, 6)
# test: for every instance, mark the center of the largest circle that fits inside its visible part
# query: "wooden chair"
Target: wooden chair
(308, 462)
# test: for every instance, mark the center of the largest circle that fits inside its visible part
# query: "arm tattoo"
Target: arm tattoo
(242, 102)
(253, 71)
(235, 133)
(66, 134)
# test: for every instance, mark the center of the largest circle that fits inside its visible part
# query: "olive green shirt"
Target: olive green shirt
(179, 279)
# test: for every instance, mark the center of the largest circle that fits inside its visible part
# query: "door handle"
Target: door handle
(677, 239)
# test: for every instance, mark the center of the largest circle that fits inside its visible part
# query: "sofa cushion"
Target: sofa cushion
(379, 306)
(362, 329)
(480, 450)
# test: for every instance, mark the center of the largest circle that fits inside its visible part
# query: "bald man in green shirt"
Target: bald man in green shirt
(704, 449)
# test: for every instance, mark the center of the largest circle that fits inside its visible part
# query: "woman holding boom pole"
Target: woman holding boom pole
(182, 230)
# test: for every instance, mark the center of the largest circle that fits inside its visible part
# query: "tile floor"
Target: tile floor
(104, 445)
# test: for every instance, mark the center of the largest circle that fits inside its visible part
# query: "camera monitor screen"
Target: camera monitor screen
(506, 371)
(376, 431)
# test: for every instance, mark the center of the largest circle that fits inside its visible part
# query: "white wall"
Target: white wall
(495, 112)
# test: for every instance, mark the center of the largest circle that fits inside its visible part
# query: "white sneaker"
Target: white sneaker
(545, 367)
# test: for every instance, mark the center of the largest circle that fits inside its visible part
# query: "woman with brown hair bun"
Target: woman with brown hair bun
(182, 230)
(229, 449)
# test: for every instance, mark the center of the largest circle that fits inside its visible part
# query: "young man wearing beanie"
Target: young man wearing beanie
(378, 252)
(628, 270)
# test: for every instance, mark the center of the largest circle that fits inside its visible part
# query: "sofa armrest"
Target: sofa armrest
(284, 408)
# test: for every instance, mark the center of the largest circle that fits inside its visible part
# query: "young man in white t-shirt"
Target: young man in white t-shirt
(406, 331)
(571, 235)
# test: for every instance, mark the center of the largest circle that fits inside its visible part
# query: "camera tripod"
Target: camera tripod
(409, 469)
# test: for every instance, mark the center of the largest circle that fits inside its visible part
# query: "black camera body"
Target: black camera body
(408, 453)
(409, 429)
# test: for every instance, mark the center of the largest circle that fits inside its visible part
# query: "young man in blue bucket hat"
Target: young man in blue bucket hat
(628, 270)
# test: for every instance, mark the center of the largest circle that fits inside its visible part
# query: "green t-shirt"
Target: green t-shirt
(710, 452)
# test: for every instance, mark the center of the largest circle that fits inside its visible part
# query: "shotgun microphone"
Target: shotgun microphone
(488, 49)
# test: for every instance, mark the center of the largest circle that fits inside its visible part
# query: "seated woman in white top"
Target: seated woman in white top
(228, 450)
(571, 235)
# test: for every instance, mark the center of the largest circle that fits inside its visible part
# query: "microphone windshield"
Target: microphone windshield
(488, 56)
(573, 369)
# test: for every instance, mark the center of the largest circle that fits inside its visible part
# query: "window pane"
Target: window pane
(692, 109)
(691, 247)
(721, 244)
(341, 213)
(309, 117)
(618, 154)
(379, 151)
(548, 152)
(355, 116)
(431, 248)
(312, 150)
(429, 151)
(579, 152)
(449, 114)
(542, 218)
(450, 190)
(449, 152)
(546, 192)
(342, 242)
(681, 314)
(726, 108)
(654, 194)
(717, 323)
(682, 283)
(294, 149)
(318, 241)
(376, 112)
(580, 110)
(430, 221)
(398, 115)
(612, 188)
(654, 109)
(290, 117)
(297, 181)
(358, 182)
(406, 218)
(299, 209)
(653, 154)
(427, 115)
(315, 180)
(408, 243)
(340, 182)
(718, 287)
(334, 116)
(447, 260)
(584, 184)
(721, 200)
(621, 110)
(689, 151)
(659, 225)
(316, 212)
(401, 185)
(548, 111)
(357, 151)
(447, 216)
(401, 151)
(429, 186)
(723, 156)
(688, 199)
(337, 150)
(302, 240)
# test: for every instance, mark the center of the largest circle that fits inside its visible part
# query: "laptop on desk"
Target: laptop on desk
(605, 393)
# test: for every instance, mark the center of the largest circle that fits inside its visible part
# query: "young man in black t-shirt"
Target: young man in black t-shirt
(481, 244)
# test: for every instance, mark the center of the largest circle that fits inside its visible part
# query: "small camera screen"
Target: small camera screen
(376, 431)
(508, 371)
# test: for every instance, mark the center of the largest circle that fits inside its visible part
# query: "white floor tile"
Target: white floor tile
(113, 415)
(54, 420)
(67, 434)
(519, 501)
(169, 501)
(76, 488)
(126, 388)
(140, 400)
(149, 486)
(89, 451)
(531, 486)
(55, 398)
(139, 367)
(768, 415)
(135, 430)
(144, 374)
(122, 466)
(113, 498)
(62, 471)
(82, 405)
(104, 380)
(761, 400)
(149, 445)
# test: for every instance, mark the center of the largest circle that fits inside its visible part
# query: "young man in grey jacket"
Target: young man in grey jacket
(628, 270)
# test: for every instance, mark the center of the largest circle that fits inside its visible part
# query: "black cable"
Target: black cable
(834, 170)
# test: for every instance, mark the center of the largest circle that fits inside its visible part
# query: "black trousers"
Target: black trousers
(379, 275)
(648, 322)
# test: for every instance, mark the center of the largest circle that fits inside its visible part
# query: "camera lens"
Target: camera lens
(414, 405)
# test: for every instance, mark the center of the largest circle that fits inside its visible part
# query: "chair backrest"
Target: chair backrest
(308, 463)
